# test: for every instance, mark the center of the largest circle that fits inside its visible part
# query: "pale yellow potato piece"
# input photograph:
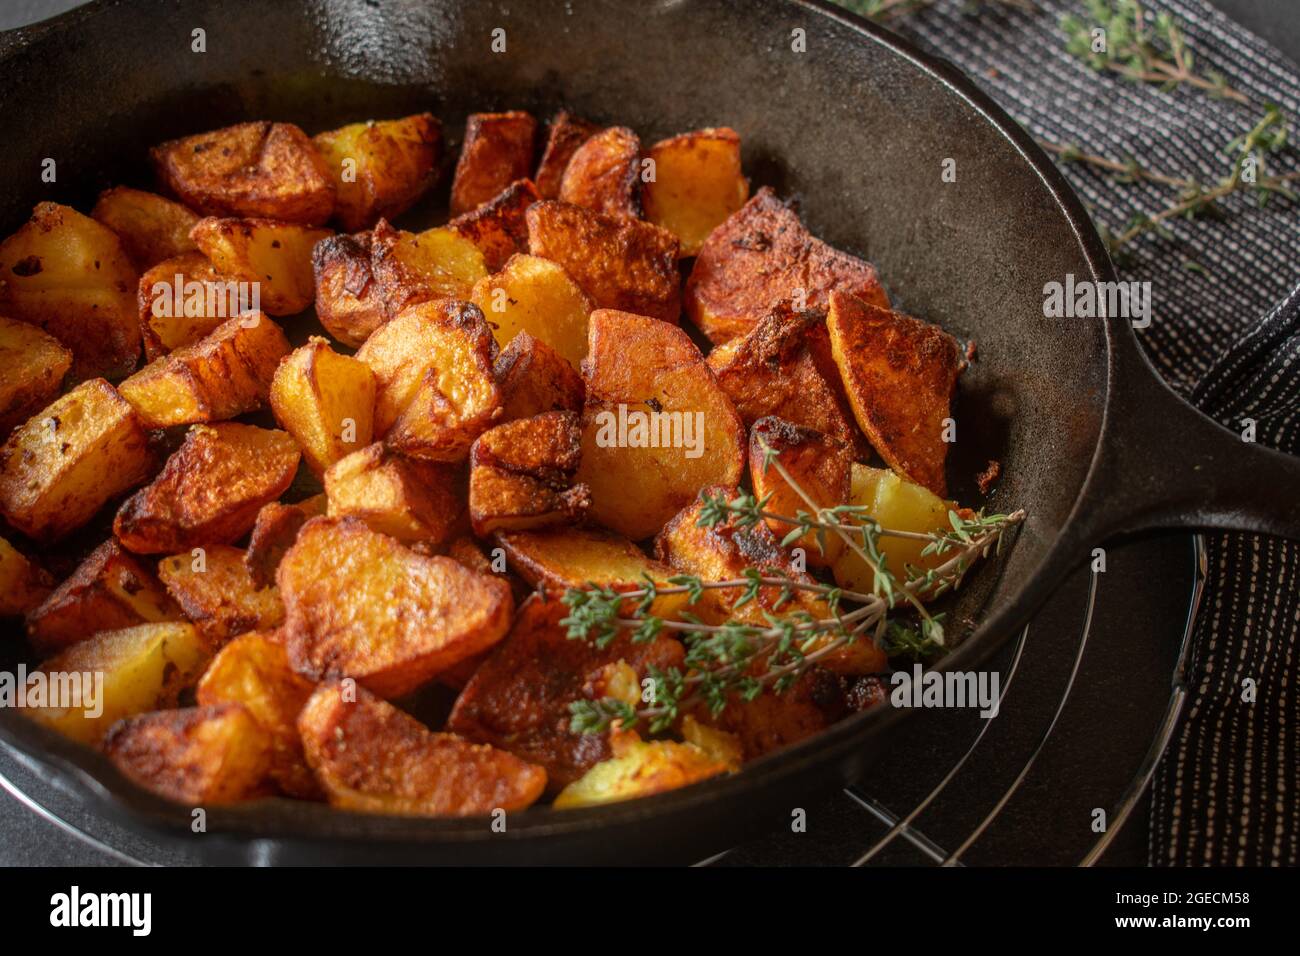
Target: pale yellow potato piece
(276, 256)
(405, 498)
(535, 295)
(326, 401)
(380, 168)
(416, 267)
(152, 228)
(639, 769)
(697, 184)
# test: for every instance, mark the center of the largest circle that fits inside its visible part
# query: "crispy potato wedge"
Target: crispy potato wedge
(521, 475)
(274, 258)
(637, 768)
(326, 401)
(619, 263)
(250, 169)
(900, 374)
(371, 757)
(498, 149)
(24, 584)
(274, 532)
(519, 697)
(435, 388)
(655, 430)
(348, 302)
(181, 300)
(253, 670)
(217, 594)
(361, 605)
(818, 463)
(604, 173)
(196, 755)
(760, 255)
(417, 267)
(144, 668)
(32, 367)
(537, 296)
(565, 134)
(697, 184)
(65, 463)
(110, 590)
(69, 275)
(210, 491)
(380, 168)
(535, 379)
(498, 227)
(224, 374)
(152, 228)
(405, 498)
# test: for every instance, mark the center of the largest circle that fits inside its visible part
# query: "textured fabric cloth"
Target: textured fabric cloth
(1226, 335)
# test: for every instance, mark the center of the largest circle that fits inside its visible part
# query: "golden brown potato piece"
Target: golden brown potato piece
(417, 267)
(521, 475)
(819, 464)
(145, 667)
(183, 299)
(656, 427)
(900, 374)
(197, 755)
(638, 769)
(326, 401)
(23, 583)
(224, 374)
(253, 670)
(274, 532)
(380, 168)
(697, 184)
(537, 296)
(498, 227)
(218, 595)
(361, 605)
(65, 463)
(210, 490)
(274, 258)
(498, 149)
(604, 173)
(772, 721)
(110, 590)
(348, 302)
(619, 263)
(776, 369)
(519, 697)
(435, 388)
(151, 227)
(535, 379)
(405, 498)
(250, 169)
(761, 255)
(371, 757)
(70, 276)
(567, 132)
(32, 366)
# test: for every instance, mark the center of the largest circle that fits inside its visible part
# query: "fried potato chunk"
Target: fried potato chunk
(144, 668)
(253, 670)
(210, 490)
(371, 757)
(361, 605)
(565, 134)
(23, 583)
(273, 257)
(637, 768)
(619, 263)
(152, 228)
(761, 255)
(405, 498)
(217, 594)
(656, 427)
(498, 227)
(65, 463)
(32, 367)
(604, 173)
(326, 401)
(250, 169)
(697, 184)
(771, 721)
(69, 275)
(380, 168)
(110, 590)
(181, 300)
(498, 149)
(224, 374)
(900, 374)
(196, 755)
(519, 697)
(537, 296)
(521, 475)
(417, 267)
(348, 301)
(535, 379)
(435, 388)
(274, 532)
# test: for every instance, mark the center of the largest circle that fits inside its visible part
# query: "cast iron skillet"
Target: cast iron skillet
(856, 128)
